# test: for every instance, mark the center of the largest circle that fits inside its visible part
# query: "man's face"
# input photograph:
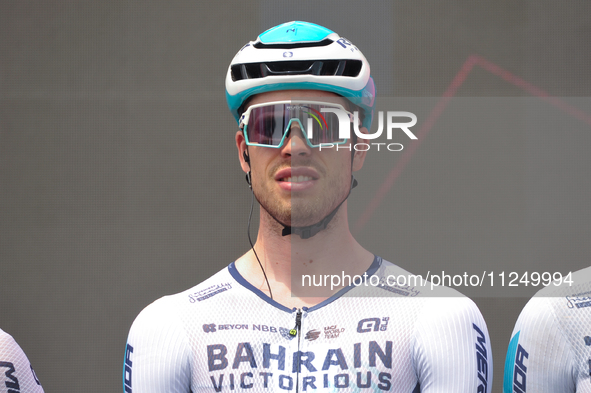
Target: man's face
(296, 184)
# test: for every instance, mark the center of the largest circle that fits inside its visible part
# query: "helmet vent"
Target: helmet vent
(290, 45)
(350, 68)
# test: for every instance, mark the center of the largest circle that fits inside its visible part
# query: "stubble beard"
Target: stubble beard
(301, 210)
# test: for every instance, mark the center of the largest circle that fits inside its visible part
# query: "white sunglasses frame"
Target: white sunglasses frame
(246, 115)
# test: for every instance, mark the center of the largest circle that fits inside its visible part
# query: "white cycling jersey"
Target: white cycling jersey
(550, 348)
(16, 373)
(225, 335)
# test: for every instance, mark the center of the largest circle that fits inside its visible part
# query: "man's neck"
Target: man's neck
(302, 272)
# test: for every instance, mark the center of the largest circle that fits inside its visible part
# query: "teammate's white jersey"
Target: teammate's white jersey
(225, 335)
(550, 348)
(16, 373)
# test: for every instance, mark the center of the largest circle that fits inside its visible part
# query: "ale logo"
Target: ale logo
(372, 324)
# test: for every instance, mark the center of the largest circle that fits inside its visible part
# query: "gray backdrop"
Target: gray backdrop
(119, 180)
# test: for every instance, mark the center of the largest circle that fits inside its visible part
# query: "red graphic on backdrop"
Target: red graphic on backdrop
(450, 92)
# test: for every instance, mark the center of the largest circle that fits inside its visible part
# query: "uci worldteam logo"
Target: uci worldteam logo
(312, 335)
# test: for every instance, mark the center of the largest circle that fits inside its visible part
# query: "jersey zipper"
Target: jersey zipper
(297, 331)
(298, 326)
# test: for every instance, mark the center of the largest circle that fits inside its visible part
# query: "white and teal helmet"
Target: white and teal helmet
(300, 55)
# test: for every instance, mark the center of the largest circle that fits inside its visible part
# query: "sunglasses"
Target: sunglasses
(269, 124)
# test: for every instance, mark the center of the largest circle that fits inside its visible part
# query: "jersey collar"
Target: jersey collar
(375, 265)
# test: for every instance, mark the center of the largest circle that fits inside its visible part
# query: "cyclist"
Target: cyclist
(550, 348)
(255, 325)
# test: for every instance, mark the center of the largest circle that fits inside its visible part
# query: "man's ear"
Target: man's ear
(359, 156)
(242, 151)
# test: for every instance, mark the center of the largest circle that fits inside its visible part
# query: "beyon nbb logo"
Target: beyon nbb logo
(392, 123)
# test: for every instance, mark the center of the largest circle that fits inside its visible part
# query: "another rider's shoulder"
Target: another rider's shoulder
(6, 339)
(8, 344)
(4, 335)
(557, 301)
(570, 283)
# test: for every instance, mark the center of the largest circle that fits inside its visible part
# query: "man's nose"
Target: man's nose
(296, 143)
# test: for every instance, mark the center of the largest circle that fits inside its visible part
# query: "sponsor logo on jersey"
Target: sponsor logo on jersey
(11, 380)
(237, 326)
(372, 325)
(35, 376)
(332, 331)
(579, 300)
(269, 366)
(404, 290)
(209, 292)
(285, 333)
(481, 360)
(265, 328)
(515, 379)
(312, 335)
(212, 327)
(127, 369)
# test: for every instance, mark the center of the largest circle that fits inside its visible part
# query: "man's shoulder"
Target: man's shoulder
(414, 285)
(568, 285)
(6, 340)
(167, 308)
(551, 332)
(573, 292)
(434, 304)
(560, 304)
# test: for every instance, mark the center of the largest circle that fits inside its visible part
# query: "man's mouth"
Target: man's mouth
(296, 179)
(296, 174)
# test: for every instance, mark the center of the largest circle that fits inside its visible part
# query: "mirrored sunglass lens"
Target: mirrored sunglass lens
(268, 124)
(325, 126)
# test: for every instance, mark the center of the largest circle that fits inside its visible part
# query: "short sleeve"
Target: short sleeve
(452, 351)
(157, 355)
(539, 357)
(16, 373)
